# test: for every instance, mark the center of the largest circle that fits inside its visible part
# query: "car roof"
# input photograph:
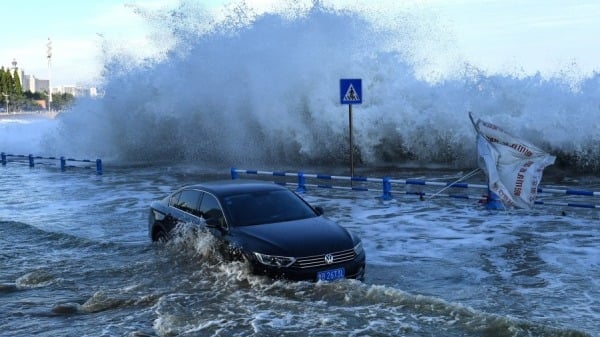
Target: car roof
(223, 188)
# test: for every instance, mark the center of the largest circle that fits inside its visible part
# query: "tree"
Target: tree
(4, 83)
(62, 101)
(16, 91)
(18, 88)
(36, 96)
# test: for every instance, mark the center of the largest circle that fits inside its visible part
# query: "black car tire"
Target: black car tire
(160, 236)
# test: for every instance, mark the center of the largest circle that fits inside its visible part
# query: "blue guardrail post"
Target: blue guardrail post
(99, 169)
(3, 159)
(63, 164)
(234, 174)
(31, 163)
(301, 183)
(387, 189)
(493, 202)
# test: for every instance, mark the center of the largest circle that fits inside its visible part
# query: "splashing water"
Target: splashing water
(258, 89)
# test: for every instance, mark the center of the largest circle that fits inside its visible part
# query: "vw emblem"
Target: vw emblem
(329, 258)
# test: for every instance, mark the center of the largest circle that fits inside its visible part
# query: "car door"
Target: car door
(211, 212)
(216, 223)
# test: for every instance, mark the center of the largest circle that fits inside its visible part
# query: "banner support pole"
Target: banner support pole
(493, 202)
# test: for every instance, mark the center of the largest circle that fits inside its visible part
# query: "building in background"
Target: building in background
(75, 91)
(31, 83)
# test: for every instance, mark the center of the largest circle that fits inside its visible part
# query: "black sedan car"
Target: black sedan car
(266, 224)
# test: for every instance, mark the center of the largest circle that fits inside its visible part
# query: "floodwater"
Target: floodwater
(76, 260)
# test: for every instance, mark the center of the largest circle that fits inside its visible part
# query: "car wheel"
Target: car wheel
(160, 236)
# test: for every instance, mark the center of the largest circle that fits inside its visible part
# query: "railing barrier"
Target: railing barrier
(386, 184)
(62, 160)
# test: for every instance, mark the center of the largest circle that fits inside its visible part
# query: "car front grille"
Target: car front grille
(321, 260)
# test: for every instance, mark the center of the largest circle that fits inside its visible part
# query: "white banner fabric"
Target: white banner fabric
(514, 167)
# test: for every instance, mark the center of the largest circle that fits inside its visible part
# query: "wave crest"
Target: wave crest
(259, 89)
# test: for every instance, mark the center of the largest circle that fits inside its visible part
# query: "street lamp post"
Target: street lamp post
(49, 56)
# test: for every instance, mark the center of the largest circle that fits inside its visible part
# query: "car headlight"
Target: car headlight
(275, 261)
(358, 249)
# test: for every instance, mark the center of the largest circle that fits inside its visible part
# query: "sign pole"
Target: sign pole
(351, 145)
(351, 93)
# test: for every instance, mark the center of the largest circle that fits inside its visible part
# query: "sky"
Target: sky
(76, 30)
(546, 36)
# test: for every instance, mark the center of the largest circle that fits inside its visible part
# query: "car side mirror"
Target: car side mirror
(319, 210)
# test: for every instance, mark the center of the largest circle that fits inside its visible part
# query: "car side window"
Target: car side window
(173, 199)
(188, 201)
(211, 211)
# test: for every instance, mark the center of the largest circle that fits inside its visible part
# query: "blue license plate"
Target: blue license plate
(331, 275)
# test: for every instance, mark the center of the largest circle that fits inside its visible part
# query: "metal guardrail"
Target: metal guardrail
(386, 186)
(31, 159)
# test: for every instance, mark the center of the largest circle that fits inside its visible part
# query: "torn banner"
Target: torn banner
(513, 166)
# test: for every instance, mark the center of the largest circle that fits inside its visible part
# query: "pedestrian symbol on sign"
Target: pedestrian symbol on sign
(351, 95)
(351, 91)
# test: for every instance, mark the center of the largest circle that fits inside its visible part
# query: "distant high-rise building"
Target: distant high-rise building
(28, 83)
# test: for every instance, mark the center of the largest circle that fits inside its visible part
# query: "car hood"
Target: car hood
(298, 238)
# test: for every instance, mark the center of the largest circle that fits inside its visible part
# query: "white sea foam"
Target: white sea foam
(36, 279)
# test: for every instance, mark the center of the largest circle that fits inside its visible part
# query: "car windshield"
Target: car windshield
(266, 207)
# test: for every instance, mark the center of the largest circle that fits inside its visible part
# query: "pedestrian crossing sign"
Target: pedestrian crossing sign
(351, 91)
